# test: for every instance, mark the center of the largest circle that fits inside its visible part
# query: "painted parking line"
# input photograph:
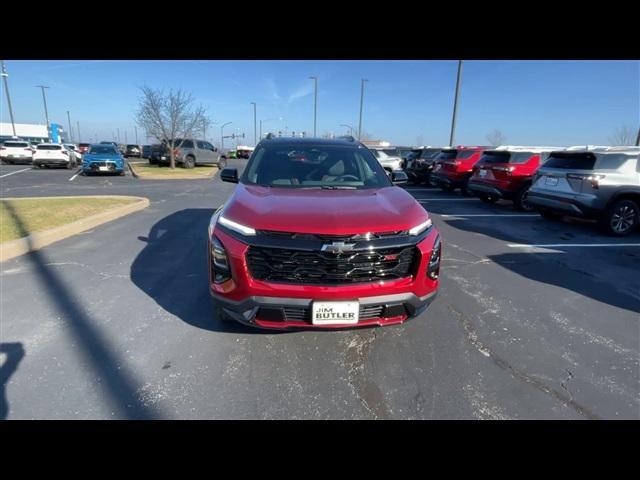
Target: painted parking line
(492, 215)
(78, 172)
(572, 245)
(13, 173)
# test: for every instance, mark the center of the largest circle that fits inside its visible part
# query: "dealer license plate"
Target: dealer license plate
(334, 313)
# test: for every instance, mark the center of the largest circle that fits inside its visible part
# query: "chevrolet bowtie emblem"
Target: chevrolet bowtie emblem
(337, 247)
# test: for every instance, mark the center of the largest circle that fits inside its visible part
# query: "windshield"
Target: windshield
(16, 144)
(447, 155)
(102, 150)
(577, 161)
(49, 147)
(430, 153)
(314, 166)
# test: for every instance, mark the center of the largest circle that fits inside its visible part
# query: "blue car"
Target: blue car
(103, 158)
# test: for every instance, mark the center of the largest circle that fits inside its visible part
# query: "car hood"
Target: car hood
(338, 212)
(101, 157)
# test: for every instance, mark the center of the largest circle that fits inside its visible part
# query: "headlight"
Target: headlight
(418, 229)
(236, 227)
(433, 270)
(219, 261)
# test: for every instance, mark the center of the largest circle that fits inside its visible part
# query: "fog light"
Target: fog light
(433, 271)
(219, 262)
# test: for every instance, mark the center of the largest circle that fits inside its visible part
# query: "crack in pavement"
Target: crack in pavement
(365, 390)
(565, 399)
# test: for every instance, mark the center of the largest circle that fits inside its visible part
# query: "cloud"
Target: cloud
(303, 91)
(273, 89)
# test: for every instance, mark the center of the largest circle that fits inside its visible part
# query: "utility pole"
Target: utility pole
(46, 112)
(5, 75)
(361, 103)
(70, 131)
(455, 105)
(222, 134)
(255, 138)
(315, 103)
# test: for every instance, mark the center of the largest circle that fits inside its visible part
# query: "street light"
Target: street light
(361, 102)
(70, 131)
(5, 75)
(46, 112)
(455, 104)
(254, 124)
(79, 137)
(222, 134)
(349, 127)
(315, 103)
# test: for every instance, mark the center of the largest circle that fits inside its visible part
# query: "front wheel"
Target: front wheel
(621, 218)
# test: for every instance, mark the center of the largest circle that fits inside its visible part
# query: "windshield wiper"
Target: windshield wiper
(337, 187)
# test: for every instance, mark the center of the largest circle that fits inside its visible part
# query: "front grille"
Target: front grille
(326, 268)
(303, 314)
(103, 164)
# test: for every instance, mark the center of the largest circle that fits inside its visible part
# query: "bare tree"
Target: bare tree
(622, 136)
(169, 117)
(496, 137)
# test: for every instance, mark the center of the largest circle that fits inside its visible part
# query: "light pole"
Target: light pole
(349, 127)
(46, 112)
(361, 103)
(222, 134)
(70, 131)
(455, 105)
(5, 75)
(255, 139)
(79, 137)
(315, 103)
(118, 129)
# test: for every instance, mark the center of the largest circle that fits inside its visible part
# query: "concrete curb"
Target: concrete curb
(36, 241)
(173, 177)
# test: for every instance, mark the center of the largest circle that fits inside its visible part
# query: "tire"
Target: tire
(189, 162)
(488, 199)
(550, 215)
(620, 218)
(465, 189)
(520, 201)
(222, 163)
(121, 174)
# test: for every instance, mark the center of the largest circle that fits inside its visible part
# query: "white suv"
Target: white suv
(14, 151)
(388, 158)
(49, 154)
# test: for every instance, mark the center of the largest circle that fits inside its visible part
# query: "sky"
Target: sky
(553, 103)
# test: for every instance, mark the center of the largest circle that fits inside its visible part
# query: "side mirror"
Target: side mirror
(229, 175)
(399, 177)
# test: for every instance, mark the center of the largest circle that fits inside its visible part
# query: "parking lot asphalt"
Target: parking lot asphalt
(531, 322)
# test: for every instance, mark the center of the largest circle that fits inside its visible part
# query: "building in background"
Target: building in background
(33, 132)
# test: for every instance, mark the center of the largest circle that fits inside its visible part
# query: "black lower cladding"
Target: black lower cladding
(303, 314)
(329, 268)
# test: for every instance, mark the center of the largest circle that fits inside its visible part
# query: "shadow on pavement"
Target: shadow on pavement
(15, 353)
(172, 269)
(117, 383)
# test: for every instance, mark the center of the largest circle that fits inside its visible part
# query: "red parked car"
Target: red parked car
(507, 172)
(317, 235)
(83, 147)
(454, 166)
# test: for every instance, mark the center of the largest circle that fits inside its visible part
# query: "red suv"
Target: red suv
(507, 172)
(454, 166)
(317, 235)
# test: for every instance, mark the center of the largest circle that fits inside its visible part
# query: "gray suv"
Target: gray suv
(601, 183)
(191, 152)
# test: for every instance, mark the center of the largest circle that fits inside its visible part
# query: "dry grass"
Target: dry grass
(155, 171)
(36, 215)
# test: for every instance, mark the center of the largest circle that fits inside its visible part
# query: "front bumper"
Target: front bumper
(17, 159)
(294, 313)
(94, 167)
(271, 305)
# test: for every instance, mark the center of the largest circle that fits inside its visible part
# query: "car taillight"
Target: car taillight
(64, 152)
(507, 170)
(593, 179)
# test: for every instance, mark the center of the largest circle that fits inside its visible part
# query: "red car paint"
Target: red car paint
(321, 212)
(454, 172)
(507, 177)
